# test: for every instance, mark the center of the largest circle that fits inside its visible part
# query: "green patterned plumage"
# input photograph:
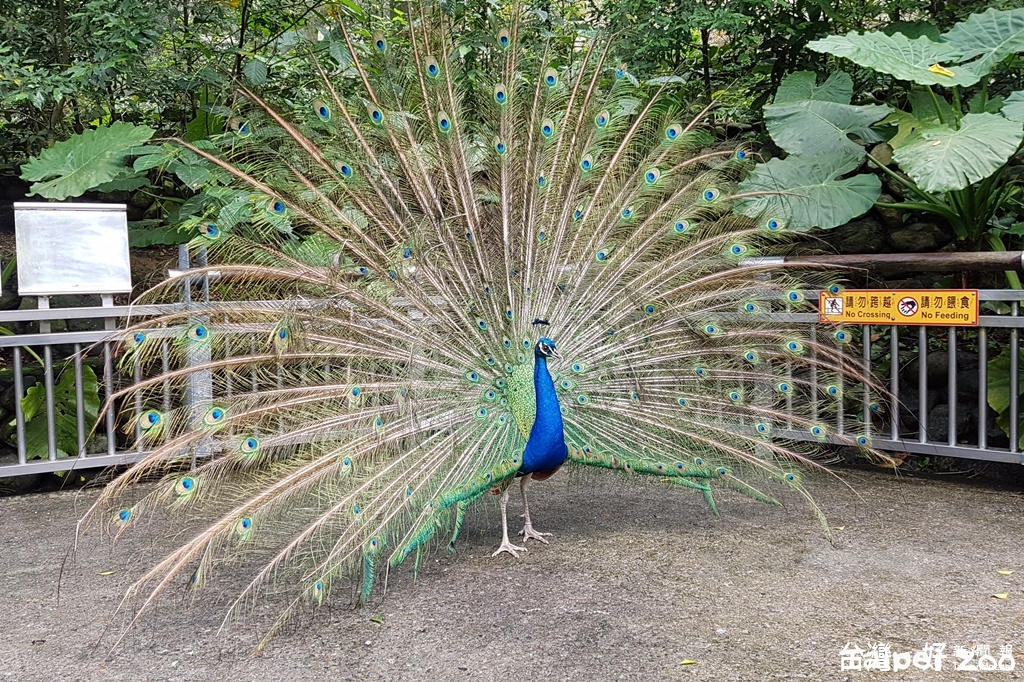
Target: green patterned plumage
(427, 194)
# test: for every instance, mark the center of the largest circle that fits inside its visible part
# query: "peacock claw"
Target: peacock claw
(507, 546)
(529, 533)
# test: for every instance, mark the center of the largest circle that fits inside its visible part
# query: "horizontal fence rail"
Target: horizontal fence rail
(938, 382)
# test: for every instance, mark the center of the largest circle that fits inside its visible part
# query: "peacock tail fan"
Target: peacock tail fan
(379, 246)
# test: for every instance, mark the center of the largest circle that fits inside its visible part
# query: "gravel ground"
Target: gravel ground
(637, 580)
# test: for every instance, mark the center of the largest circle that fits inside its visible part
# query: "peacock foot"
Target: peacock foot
(507, 546)
(529, 533)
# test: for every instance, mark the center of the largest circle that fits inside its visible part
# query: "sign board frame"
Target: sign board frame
(915, 307)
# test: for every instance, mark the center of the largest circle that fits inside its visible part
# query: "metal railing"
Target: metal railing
(890, 429)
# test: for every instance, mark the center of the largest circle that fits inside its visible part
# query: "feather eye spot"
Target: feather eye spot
(818, 431)
(138, 338)
(198, 332)
(710, 194)
(542, 181)
(500, 94)
(249, 445)
(472, 376)
(737, 249)
(842, 336)
(345, 170)
(504, 38)
(699, 461)
(547, 127)
(551, 77)
(650, 308)
(578, 367)
(433, 69)
(863, 441)
(583, 399)
(794, 346)
(794, 296)
(150, 420)
(376, 115)
(763, 428)
(124, 516)
(700, 371)
(481, 324)
(214, 416)
(481, 413)
(681, 226)
(240, 127)
(443, 122)
(378, 422)
(380, 43)
(652, 176)
(742, 155)
(602, 256)
(500, 147)
(774, 224)
(834, 391)
(601, 120)
(784, 387)
(792, 478)
(620, 71)
(751, 307)
(673, 131)
(751, 356)
(683, 402)
(735, 396)
(634, 396)
(323, 112)
(185, 485)
(243, 525)
(587, 162)
(627, 212)
(834, 289)
(712, 330)
(209, 230)
(276, 206)
(722, 471)
(577, 214)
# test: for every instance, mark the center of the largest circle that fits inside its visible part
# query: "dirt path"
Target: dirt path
(637, 579)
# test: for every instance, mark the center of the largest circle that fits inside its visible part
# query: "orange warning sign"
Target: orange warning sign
(941, 307)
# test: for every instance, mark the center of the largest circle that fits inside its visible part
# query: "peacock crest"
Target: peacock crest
(410, 214)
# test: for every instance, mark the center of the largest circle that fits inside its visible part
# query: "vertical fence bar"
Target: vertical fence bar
(108, 384)
(951, 381)
(922, 385)
(137, 379)
(814, 373)
(79, 401)
(1014, 378)
(19, 416)
(982, 388)
(867, 386)
(894, 382)
(51, 417)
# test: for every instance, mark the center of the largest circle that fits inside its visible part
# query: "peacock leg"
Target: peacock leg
(528, 532)
(506, 546)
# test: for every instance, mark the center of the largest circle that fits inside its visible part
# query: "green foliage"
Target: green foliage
(91, 159)
(999, 390)
(955, 156)
(33, 406)
(812, 123)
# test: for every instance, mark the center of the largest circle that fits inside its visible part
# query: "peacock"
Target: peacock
(452, 260)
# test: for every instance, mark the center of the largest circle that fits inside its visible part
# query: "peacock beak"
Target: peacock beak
(555, 354)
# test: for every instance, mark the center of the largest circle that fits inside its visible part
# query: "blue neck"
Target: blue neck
(545, 449)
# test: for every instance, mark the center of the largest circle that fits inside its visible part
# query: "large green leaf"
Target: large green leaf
(897, 55)
(805, 191)
(1013, 107)
(803, 85)
(93, 157)
(817, 127)
(990, 36)
(33, 406)
(999, 388)
(941, 159)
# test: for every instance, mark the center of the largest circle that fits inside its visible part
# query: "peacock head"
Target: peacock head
(545, 348)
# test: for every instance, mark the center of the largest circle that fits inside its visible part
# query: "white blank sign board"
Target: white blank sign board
(72, 248)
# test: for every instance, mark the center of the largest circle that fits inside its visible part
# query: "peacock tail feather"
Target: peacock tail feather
(380, 248)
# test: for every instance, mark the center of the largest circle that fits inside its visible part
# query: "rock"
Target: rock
(865, 235)
(938, 422)
(937, 370)
(882, 153)
(893, 187)
(920, 237)
(892, 218)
